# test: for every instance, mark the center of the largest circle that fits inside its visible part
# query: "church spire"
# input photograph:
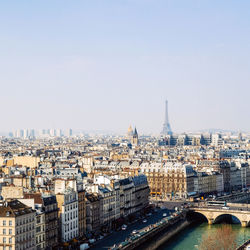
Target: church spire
(135, 132)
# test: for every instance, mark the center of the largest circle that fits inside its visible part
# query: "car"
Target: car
(227, 208)
(84, 246)
(124, 227)
(164, 215)
(144, 221)
(134, 231)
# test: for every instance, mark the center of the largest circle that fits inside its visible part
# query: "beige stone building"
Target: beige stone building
(2, 161)
(17, 226)
(21, 181)
(28, 161)
(46, 219)
(169, 180)
(12, 192)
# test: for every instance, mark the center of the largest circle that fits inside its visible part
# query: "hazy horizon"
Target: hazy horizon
(103, 65)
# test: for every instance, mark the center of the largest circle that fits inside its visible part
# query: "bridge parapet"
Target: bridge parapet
(212, 214)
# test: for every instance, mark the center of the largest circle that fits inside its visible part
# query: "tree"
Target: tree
(222, 239)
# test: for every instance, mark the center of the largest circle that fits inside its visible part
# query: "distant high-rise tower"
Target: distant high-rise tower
(70, 132)
(166, 126)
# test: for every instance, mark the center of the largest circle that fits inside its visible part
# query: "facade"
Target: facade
(170, 180)
(140, 193)
(108, 206)
(126, 196)
(46, 218)
(12, 192)
(93, 213)
(40, 230)
(81, 213)
(68, 215)
(17, 226)
(51, 221)
(224, 169)
(29, 161)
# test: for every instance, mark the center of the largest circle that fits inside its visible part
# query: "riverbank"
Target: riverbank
(156, 242)
(244, 246)
(117, 237)
(190, 237)
(165, 228)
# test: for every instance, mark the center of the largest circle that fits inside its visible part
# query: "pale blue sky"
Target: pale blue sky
(110, 63)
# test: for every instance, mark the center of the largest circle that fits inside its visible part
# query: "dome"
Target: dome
(130, 131)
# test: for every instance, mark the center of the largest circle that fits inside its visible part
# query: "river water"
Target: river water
(190, 238)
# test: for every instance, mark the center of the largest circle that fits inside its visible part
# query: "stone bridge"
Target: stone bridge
(240, 211)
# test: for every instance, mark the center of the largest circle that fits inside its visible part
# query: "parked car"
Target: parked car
(91, 241)
(144, 221)
(84, 246)
(124, 227)
(227, 208)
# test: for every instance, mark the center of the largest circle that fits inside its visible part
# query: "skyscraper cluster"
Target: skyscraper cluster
(32, 133)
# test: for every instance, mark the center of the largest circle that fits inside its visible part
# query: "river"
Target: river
(190, 238)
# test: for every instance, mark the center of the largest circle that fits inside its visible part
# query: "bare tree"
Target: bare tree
(222, 239)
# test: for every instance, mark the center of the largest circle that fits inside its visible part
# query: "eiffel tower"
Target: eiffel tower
(166, 126)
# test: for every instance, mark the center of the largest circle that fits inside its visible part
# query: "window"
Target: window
(4, 222)
(38, 229)
(10, 231)
(10, 240)
(38, 219)
(10, 248)
(10, 223)
(4, 231)
(4, 239)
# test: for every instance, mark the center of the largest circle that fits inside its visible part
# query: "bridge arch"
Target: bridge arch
(197, 216)
(222, 216)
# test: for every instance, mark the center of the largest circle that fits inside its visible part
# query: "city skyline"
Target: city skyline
(31, 132)
(104, 65)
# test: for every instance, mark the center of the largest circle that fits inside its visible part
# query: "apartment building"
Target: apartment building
(51, 220)
(93, 213)
(126, 196)
(81, 213)
(140, 193)
(40, 230)
(17, 226)
(170, 179)
(68, 214)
